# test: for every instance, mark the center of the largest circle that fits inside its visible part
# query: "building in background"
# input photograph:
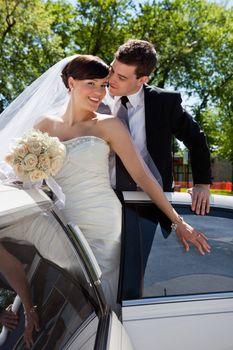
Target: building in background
(222, 173)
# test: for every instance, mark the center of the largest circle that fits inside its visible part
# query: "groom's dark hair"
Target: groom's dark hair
(85, 67)
(139, 53)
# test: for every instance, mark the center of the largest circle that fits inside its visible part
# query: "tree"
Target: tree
(35, 34)
(101, 26)
(63, 24)
(194, 40)
(28, 45)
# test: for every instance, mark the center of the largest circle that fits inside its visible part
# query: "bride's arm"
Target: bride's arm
(120, 141)
(13, 271)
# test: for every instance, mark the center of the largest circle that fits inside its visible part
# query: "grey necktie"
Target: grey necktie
(122, 113)
(124, 181)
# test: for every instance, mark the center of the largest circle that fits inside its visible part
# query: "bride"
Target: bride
(88, 136)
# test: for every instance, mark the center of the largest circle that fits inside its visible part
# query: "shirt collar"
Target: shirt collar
(135, 100)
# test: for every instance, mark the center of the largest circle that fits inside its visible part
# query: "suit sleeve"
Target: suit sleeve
(187, 130)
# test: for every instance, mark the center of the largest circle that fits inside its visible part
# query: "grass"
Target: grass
(223, 192)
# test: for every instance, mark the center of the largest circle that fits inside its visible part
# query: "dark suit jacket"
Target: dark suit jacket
(164, 117)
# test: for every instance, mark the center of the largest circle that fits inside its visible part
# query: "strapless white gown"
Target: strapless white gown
(91, 204)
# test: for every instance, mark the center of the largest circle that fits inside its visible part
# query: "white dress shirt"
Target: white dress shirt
(136, 115)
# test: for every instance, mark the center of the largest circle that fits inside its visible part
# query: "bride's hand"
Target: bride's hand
(31, 323)
(186, 233)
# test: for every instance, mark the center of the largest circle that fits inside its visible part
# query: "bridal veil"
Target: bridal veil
(47, 95)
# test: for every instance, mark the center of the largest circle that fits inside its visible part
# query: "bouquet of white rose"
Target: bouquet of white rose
(36, 156)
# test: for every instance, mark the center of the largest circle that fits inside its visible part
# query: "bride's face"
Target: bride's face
(88, 93)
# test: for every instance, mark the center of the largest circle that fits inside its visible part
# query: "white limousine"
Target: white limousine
(169, 299)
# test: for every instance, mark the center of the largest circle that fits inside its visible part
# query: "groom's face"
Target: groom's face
(123, 80)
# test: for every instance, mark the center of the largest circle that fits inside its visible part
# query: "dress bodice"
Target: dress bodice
(84, 179)
(85, 171)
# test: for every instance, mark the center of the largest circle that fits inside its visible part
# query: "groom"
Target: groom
(154, 116)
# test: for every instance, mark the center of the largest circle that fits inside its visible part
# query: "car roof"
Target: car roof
(220, 201)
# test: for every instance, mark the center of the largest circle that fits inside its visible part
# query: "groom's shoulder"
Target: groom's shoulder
(155, 91)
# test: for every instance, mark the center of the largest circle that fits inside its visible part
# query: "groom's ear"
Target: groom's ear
(143, 79)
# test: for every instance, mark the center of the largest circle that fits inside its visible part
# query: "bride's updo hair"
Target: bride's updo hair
(85, 67)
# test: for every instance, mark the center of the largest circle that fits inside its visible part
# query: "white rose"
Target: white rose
(34, 146)
(44, 162)
(52, 150)
(9, 158)
(55, 165)
(19, 170)
(37, 175)
(56, 149)
(35, 136)
(30, 162)
(21, 150)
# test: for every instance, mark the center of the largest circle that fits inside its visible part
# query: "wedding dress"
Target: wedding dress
(93, 205)
(90, 203)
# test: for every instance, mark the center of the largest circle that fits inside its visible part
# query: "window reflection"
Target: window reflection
(65, 308)
(166, 269)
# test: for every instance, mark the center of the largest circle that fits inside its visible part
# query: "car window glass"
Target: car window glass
(51, 242)
(65, 308)
(166, 269)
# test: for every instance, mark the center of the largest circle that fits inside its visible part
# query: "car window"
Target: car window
(61, 283)
(65, 308)
(164, 269)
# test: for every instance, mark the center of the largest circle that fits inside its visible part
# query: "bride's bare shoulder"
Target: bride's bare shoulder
(109, 125)
(47, 123)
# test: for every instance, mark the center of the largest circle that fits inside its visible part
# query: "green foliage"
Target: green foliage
(27, 43)
(194, 40)
(176, 149)
(63, 24)
(101, 26)
(225, 146)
